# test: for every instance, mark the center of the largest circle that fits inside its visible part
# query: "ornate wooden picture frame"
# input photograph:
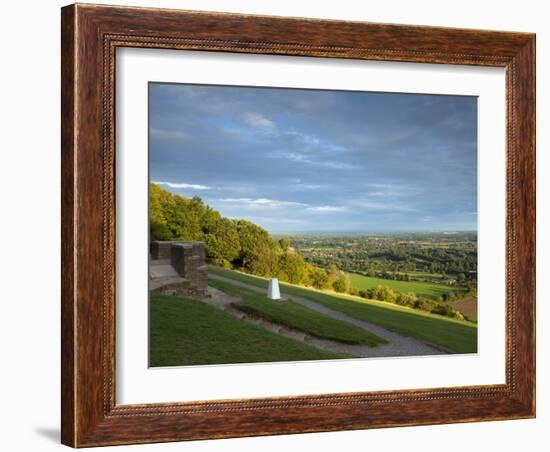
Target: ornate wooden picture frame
(90, 37)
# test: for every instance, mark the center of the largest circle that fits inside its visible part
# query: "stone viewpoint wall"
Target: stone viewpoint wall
(188, 259)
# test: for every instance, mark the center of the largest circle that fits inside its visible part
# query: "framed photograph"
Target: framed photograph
(281, 225)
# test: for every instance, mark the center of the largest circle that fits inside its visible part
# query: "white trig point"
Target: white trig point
(273, 289)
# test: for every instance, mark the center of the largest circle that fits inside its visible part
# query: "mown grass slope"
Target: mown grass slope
(452, 335)
(297, 317)
(189, 332)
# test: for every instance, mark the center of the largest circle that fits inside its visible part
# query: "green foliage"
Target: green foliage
(292, 268)
(449, 259)
(262, 261)
(443, 309)
(160, 203)
(258, 252)
(382, 293)
(284, 243)
(173, 217)
(425, 304)
(318, 278)
(342, 283)
(406, 299)
(222, 242)
(233, 243)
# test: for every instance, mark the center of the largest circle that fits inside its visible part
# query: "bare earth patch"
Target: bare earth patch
(467, 307)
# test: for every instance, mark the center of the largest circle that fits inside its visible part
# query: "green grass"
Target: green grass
(421, 289)
(453, 335)
(298, 317)
(190, 332)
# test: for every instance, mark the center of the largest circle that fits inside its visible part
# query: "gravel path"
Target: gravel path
(398, 345)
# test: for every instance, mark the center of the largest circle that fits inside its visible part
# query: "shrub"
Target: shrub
(458, 315)
(342, 283)
(383, 293)
(424, 304)
(406, 299)
(318, 277)
(443, 309)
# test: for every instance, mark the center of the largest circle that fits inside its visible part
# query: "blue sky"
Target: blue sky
(295, 160)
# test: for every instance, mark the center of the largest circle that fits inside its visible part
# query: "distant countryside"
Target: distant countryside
(297, 225)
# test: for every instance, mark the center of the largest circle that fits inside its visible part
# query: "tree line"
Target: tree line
(236, 244)
(389, 256)
(243, 245)
(410, 300)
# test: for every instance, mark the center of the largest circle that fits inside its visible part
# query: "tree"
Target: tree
(258, 252)
(318, 278)
(157, 220)
(443, 309)
(262, 260)
(342, 283)
(186, 220)
(424, 304)
(222, 242)
(406, 299)
(292, 268)
(383, 293)
(284, 243)
(333, 274)
(231, 243)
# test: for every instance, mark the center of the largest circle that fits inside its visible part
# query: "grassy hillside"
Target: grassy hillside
(421, 289)
(298, 317)
(185, 331)
(453, 335)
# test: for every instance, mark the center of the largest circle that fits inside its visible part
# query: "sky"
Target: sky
(306, 161)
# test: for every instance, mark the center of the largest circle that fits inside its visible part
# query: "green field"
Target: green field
(453, 335)
(190, 332)
(297, 317)
(419, 288)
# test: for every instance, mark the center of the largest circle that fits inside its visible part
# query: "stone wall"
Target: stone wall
(188, 259)
(160, 250)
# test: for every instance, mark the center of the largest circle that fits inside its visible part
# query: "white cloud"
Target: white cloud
(181, 185)
(327, 209)
(295, 157)
(311, 142)
(377, 185)
(390, 190)
(260, 203)
(304, 158)
(375, 205)
(298, 186)
(337, 165)
(257, 121)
